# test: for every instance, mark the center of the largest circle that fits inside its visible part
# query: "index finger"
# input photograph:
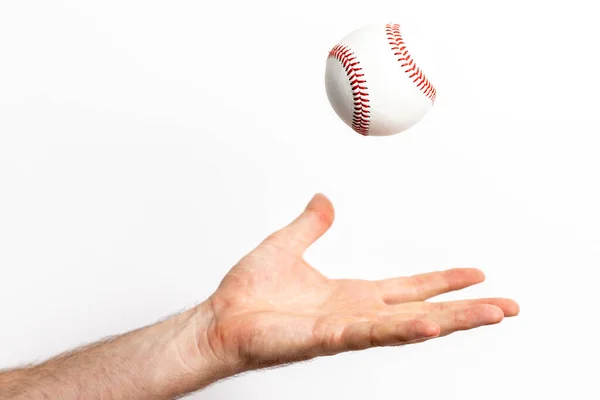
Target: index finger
(425, 286)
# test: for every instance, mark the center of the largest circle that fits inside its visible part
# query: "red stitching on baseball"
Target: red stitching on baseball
(360, 109)
(414, 72)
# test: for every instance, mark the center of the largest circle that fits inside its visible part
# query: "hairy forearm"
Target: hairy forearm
(161, 361)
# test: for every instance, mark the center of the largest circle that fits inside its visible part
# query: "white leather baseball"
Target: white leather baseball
(373, 83)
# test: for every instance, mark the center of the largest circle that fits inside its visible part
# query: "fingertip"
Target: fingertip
(322, 207)
(512, 309)
(478, 274)
(471, 274)
(432, 330)
(494, 314)
(460, 278)
(426, 328)
(509, 307)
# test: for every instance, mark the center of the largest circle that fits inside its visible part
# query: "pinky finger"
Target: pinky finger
(367, 334)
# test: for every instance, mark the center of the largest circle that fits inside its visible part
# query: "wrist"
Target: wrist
(194, 361)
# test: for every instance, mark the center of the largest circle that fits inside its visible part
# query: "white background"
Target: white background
(146, 146)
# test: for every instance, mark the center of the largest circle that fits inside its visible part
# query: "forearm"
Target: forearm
(157, 362)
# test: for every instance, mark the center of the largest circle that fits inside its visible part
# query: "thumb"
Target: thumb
(310, 225)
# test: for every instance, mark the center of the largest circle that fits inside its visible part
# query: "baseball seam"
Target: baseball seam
(407, 63)
(360, 109)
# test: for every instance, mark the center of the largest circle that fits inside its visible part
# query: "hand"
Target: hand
(274, 308)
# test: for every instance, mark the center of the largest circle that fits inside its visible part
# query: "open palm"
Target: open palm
(274, 308)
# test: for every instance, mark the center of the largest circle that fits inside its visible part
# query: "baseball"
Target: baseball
(374, 84)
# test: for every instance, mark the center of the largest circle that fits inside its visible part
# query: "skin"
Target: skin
(272, 308)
